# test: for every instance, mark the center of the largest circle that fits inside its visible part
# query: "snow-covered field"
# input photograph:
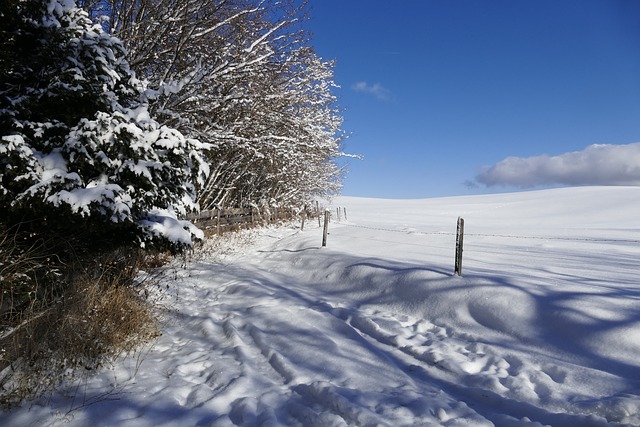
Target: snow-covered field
(543, 328)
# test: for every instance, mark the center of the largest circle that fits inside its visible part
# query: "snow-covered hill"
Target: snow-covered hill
(543, 328)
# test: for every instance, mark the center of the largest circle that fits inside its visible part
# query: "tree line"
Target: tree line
(243, 77)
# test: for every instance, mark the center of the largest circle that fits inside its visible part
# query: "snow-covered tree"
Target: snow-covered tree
(78, 145)
(240, 75)
(281, 147)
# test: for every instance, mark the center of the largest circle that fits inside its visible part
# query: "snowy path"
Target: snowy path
(296, 359)
(375, 329)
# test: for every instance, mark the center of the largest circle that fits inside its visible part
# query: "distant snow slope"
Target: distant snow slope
(543, 328)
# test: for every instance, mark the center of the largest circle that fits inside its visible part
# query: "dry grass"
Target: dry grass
(220, 247)
(26, 265)
(101, 313)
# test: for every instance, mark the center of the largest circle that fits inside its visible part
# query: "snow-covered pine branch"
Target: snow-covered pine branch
(77, 141)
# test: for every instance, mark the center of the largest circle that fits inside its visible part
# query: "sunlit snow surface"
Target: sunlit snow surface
(543, 328)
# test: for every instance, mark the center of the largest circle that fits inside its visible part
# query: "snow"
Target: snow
(163, 222)
(542, 328)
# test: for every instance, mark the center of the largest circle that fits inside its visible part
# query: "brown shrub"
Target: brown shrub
(101, 313)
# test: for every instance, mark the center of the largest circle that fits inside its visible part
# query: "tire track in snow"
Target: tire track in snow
(227, 367)
(313, 382)
(257, 357)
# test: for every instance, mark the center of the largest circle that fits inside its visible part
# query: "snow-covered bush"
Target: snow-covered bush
(77, 143)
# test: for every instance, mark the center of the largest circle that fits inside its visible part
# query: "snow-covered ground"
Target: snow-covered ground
(543, 328)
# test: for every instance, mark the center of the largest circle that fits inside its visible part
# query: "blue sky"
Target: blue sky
(453, 97)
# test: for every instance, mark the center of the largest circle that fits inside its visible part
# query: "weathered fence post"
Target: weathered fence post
(338, 214)
(345, 214)
(304, 215)
(318, 213)
(218, 223)
(326, 227)
(459, 245)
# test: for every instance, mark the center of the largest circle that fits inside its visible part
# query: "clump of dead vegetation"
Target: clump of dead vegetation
(59, 313)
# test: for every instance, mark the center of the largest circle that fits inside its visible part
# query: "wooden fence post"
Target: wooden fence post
(338, 214)
(345, 214)
(326, 228)
(218, 223)
(304, 215)
(459, 245)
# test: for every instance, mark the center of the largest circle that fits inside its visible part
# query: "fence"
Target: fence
(483, 243)
(222, 220)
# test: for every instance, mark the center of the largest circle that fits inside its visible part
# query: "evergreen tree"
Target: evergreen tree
(77, 144)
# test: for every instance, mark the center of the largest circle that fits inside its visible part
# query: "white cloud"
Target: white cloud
(595, 165)
(375, 89)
